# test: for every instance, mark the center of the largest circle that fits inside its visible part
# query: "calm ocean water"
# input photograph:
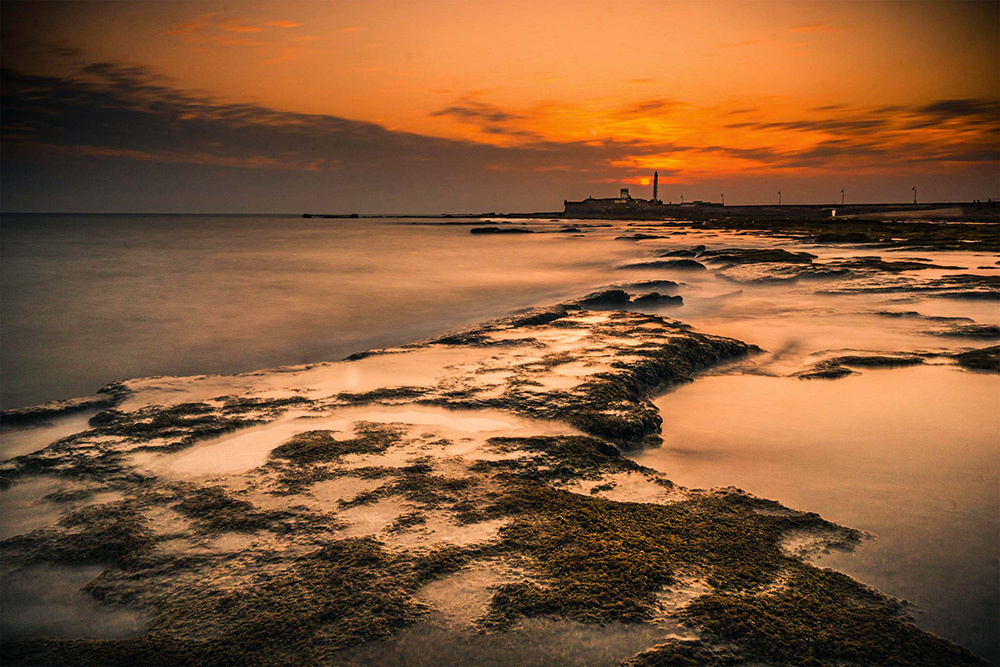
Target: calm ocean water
(88, 299)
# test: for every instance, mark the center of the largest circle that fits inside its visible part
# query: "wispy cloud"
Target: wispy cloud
(219, 27)
(648, 108)
(489, 119)
(116, 113)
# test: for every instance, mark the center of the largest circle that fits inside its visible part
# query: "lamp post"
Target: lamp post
(723, 195)
(914, 195)
(842, 196)
(779, 197)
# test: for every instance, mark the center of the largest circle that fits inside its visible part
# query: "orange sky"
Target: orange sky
(702, 91)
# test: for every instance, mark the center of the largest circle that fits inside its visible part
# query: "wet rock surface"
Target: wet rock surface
(501, 230)
(654, 299)
(984, 359)
(675, 264)
(502, 454)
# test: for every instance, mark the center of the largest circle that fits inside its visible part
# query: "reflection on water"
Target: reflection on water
(20, 440)
(89, 298)
(47, 601)
(910, 455)
(250, 447)
(535, 642)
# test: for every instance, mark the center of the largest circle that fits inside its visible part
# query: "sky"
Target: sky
(412, 106)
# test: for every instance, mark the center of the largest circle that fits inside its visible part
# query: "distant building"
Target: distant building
(624, 204)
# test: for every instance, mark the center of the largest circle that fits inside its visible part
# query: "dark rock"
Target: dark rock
(878, 360)
(570, 230)
(777, 272)
(681, 264)
(984, 331)
(824, 370)
(658, 285)
(983, 359)
(879, 264)
(733, 256)
(638, 237)
(912, 314)
(837, 367)
(676, 253)
(686, 264)
(106, 417)
(953, 286)
(657, 299)
(39, 413)
(612, 298)
(499, 230)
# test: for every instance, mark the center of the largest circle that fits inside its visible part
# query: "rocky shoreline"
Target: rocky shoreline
(299, 515)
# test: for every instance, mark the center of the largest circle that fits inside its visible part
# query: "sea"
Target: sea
(910, 456)
(90, 299)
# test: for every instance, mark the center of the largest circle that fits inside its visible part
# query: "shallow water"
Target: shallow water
(536, 642)
(47, 601)
(911, 455)
(250, 447)
(89, 299)
(20, 440)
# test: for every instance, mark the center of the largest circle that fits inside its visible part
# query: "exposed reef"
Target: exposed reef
(953, 286)
(841, 366)
(619, 299)
(983, 359)
(283, 517)
(676, 264)
(39, 413)
(980, 233)
(501, 230)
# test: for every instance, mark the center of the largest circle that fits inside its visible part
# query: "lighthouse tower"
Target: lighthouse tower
(656, 178)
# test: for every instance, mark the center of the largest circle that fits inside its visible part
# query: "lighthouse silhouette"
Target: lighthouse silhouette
(656, 178)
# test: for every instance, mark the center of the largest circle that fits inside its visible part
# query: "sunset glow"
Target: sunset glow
(516, 105)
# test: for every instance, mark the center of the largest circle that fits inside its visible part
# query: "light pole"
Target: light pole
(779, 197)
(723, 195)
(914, 195)
(842, 196)
(682, 200)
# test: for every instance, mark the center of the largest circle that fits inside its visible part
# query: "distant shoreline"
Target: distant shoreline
(687, 211)
(959, 210)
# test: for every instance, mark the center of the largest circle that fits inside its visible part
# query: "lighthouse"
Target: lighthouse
(656, 178)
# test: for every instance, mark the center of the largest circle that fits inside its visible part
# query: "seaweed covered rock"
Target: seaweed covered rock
(840, 366)
(676, 264)
(501, 230)
(983, 359)
(822, 618)
(654, 299)
(39, 413)
(611, 298)
(734, 256)
(845, 237)
(983, 331)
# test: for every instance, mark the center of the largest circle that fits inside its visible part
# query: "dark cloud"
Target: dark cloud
(840, 120)
(479, 112)
(490, 119)
(647, 108)
(122, 119)
(117, 137)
